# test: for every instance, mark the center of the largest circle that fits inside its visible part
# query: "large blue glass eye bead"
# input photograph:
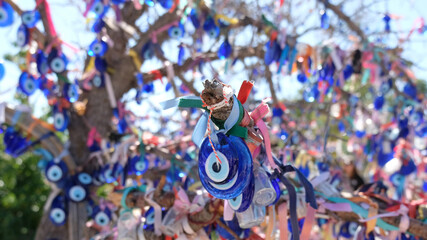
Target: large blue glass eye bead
(6, 14)
(58, 211)
(101, 217)
(222, 180)
(56, 172)
(244, 200)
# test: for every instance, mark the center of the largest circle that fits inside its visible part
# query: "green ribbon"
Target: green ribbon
(236, 130)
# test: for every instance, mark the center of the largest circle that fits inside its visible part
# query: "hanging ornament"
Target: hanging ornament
(324, 19)
(57, 61)
(379, 102)
(227, 178)
(75, 192)
(100, 64)
(98, 80)
(386, 20)
(99, 8)
(181, 54)
(147, 51)
(71, 92)
(348, 229)
(6, 14)
(211, 28)
(2, 71)
(138, 165)
(60, 119)
(84, 179)
(176, 32)
(102, 217)
(98, 25)
(56, 171)
(23, 36)
(58, 211)
(166, 4)
(28, 84)
(311, 94)
(225, 50)
(97, 48)
(194, 18)
(30, 18)
(244, 200)
(273, 52)
(42, 63)
(410, 90)
(302, 78)
(149, 2)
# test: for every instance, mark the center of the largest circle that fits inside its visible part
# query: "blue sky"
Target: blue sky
(70, 25)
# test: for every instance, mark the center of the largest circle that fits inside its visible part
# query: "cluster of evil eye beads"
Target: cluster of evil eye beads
(235, 178)
(76, 187)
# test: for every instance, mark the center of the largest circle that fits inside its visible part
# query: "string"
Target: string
(211, 109)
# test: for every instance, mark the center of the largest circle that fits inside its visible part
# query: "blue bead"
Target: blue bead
(6, 13)
(225, 50)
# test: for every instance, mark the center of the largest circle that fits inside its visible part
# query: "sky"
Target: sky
(72, 28)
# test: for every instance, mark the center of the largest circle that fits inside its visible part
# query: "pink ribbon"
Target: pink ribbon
(257, 116)
(283, 221)
(154, 33)
(308, 222)
(88, 7)
(183, 205)
(93, 136)
(48, 16)
(137, 4)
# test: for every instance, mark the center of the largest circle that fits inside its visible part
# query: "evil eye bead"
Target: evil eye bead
(30, 18)
(57, 62)
(98, 25)
(138, 165)
(273, 52)
(60, 120)
(84, 178)
(244, 200)
(22, 36)
(99, 8)
(54, 173)
(28, 84)
(211, 28)
(215, 171)
(102, 219)
(396, 179)
(237, 179)
(57, 216)
(97, 48)
(311, 94)
(348, 229)
(71, 92)
(176, 32)
(225, 50)
(147, 51)
(98, 80)
(6, 14)
(166, 4)
(149, 219)
(107, 174)
(42, 64)
(2, 71)
(76, 193)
